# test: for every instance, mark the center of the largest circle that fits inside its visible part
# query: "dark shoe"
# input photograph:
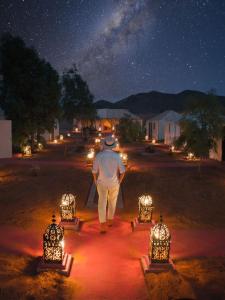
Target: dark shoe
(103, 228)
(110, 223)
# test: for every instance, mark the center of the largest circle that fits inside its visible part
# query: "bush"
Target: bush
(130, 131)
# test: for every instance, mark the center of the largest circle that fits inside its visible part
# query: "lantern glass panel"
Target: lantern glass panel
(53, 243)
(145, 209)
(67, 207)
(160, 243)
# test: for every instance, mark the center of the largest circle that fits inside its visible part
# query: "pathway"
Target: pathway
(107, 267)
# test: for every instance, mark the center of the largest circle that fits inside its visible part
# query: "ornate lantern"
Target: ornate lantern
(27, 151)
(124, 158)
(67, 207)
(90, 155)
(145, 209)
(53, 243)
(160, 243)
(190, 156)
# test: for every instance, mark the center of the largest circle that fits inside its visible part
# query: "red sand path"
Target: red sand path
(107, 267)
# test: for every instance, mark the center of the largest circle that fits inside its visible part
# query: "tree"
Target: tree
(77, 100)
(129, 130)
(30, 89)
(201, 126)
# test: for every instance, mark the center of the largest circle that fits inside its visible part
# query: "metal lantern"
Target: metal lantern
(53, 243)
(90, 155)
(160, 243)
(145, 209)
(67, 207)
(124, 158)
(27, 150)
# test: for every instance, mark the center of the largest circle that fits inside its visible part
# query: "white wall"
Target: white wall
(5, 138)
(172, 132)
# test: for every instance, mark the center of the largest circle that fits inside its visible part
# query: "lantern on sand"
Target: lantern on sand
(90, 155)
(67, 207)
(124, 158)
(61, 137)
(54, 258)
(53, 243)
(160, 243)
(145, 209)
(27, 151)
(68, 212)
(158, 258)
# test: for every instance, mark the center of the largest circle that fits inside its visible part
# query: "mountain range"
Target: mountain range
(147, 104)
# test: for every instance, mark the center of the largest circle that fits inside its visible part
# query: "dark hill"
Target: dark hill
(155, 102)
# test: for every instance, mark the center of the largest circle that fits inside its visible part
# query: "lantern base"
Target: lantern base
(136, 225)
(75, 224)
(63, 268)
(150, 267)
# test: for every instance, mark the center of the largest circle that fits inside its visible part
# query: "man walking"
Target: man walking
(108, 171)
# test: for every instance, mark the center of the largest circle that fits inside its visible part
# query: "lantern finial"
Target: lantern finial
(53, 219)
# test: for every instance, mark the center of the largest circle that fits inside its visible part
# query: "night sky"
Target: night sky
(123, 47)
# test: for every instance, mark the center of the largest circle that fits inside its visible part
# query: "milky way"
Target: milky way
(122, 47)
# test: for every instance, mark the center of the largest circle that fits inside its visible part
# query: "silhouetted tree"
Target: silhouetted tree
(129, 130)
(30, 89)
(201, 125)
(77, 100)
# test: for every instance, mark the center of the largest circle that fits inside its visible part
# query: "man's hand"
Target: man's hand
(95, 178)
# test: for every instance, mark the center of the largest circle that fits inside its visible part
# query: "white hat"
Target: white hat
(109, 143)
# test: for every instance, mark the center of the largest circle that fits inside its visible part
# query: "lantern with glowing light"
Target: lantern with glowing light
(146, 137)
(190, 156)
(153, 141)
(99, 128)
(145, 209)
(61, 137)
(76, 129)
(90, 155)
(68, 207)
(68, 134)
(55, 141)
(27, 151)
(159, 250)
(113, 128)
(40, 146)
(99, 134)
(54, 258)
(97, 141)
(124, 158)
(53, 243)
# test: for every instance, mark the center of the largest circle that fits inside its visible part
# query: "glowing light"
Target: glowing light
(27, 151)
(172, 148)
(146, 137)
(91, 154)
(99, 128)
(40, 146)
(159, 249)
(113, 128)
(67, 207)
(113, 135)
(61, 137)
(76, 129)
(190, 156)
(145, 209)
(68, 134)
(124, 158)
(97, 141)
(53, 243)
(55, 141)
(99, 134)
(153, 141)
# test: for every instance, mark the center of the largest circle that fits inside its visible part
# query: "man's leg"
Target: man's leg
(102, 203)
(112, 199)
